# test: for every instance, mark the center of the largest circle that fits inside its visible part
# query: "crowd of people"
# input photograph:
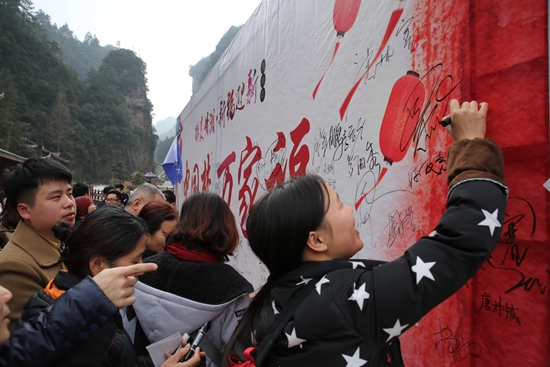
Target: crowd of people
(91, 284)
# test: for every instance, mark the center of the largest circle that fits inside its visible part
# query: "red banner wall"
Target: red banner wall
(501, 317)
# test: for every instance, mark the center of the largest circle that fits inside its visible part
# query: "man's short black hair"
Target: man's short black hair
(169, 195)
(119, 186)
(106, 189)
(22, 184)
(80, 189)
(116, 192)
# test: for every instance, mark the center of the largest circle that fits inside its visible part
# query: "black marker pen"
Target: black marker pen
(445, 122)
(196, 342)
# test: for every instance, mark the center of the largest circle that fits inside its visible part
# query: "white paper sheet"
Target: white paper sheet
(169, 344)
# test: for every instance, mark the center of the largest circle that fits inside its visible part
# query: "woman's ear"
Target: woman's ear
(316, 246)
(96, 265)
(316, 241)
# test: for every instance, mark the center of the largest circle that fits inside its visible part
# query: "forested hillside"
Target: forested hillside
(81, 56)
(94, 117)
(200, 70)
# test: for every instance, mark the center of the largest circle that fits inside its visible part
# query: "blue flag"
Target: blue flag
(172, 163)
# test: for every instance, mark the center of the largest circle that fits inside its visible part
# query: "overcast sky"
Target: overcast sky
(168, 35)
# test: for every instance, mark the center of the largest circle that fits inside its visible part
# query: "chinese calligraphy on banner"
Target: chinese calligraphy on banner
(354, 91)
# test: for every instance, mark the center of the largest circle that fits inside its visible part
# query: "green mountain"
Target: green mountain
(200, 70)
(92, 121)
(81, 56)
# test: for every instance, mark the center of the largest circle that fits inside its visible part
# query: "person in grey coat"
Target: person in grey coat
(193, 285)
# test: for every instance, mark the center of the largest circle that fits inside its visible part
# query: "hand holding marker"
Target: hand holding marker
(446, 121)
(197, 340)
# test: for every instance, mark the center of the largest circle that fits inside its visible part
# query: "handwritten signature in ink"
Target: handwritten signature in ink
(500, 308)
(517, 253)
(369, 161)
(431, 165)
(440, 94)
(407, 34)
(401, 224)
(453, 342)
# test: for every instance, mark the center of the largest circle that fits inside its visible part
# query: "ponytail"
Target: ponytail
(252, 328)
(278, 226)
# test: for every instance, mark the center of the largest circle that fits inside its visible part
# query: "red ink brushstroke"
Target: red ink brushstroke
(396, 14)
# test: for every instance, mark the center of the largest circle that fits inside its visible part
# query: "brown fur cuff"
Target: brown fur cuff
(477, 158)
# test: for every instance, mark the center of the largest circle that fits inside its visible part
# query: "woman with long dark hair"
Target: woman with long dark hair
(352, 312)
(193, 285)
(107, 238)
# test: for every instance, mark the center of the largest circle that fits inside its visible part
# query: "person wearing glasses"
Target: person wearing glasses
(114, 197)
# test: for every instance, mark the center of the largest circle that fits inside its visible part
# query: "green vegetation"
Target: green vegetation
(200, 70)
(137, 178)
(94, 110)
(81, 56)
(163, 147)
(119, 172)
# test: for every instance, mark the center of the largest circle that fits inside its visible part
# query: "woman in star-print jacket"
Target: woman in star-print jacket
(357, 309)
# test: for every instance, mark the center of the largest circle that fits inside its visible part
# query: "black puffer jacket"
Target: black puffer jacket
(357, 311)
(45, 339)
(106, 344)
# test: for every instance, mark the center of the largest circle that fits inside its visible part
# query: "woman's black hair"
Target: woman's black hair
(279, 224)
(278, 227)
(169, 196)
(110, 232)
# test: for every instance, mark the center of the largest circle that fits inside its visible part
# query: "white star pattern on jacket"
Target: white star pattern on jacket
(355, 264)
(293, 340)
(275, 311)
(359, 295)
(320, 283)
(355, 360)
(422, 269)
(395, 330)
(304, 280)
(491, 220)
